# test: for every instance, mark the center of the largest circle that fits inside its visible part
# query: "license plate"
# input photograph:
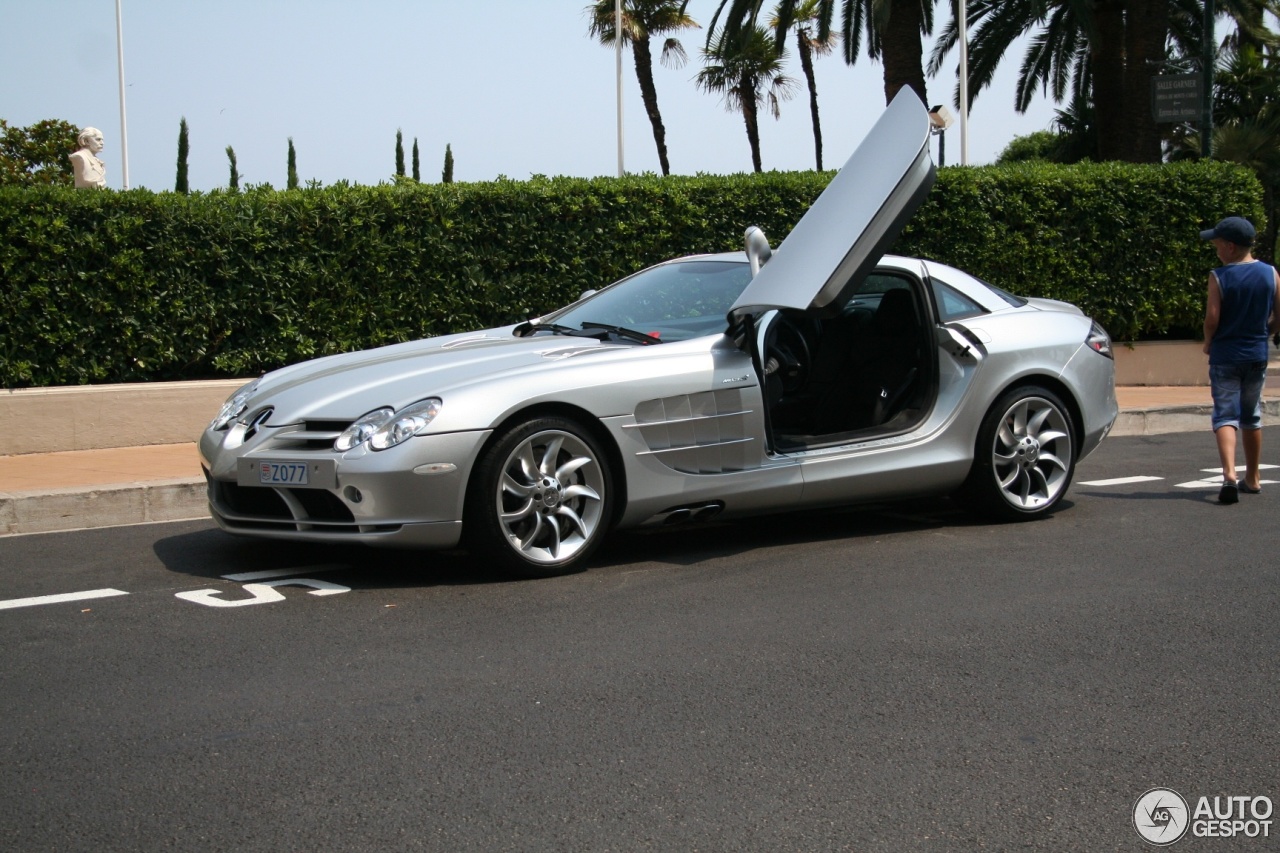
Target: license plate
(283, 474)
(287, 473)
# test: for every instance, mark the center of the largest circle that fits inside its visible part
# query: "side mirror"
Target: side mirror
(758, 250)
(584, 294)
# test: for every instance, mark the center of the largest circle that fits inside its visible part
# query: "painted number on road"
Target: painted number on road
(261, 593)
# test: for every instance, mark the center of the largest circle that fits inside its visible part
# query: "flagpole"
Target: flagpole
(1206, 68)
(964, 83)
(124, 124)
(617, 41)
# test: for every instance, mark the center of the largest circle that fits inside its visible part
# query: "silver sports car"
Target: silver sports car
(713, 386)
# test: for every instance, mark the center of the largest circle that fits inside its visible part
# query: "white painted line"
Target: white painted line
(58, 599)
(1120, 481)
(1215, 482)
(300, 571)
(1261, 466)
(1201, 484)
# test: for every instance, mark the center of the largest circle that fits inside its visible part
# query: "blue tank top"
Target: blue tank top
(1248, 296)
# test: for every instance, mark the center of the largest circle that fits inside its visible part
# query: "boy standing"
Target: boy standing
(1243, 307)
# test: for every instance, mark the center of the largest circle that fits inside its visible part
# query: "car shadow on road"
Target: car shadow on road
(1182, 496)
(214, 554)
(688, 545)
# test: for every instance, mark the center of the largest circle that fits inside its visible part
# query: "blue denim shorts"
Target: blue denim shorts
(1237, 394)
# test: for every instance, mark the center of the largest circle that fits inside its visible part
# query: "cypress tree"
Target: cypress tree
(447, 175)
(399, 153)
(184, 148)
(417, 172)
(235, 174)
(293, 166)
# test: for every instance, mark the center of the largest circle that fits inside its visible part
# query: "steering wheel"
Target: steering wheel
(786, 356)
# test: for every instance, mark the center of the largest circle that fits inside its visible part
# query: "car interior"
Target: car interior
(866, 371)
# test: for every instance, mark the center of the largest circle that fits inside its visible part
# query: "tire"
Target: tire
(1025, 456)
(541, 499)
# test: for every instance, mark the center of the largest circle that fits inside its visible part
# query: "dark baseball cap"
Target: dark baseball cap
(1235, 229)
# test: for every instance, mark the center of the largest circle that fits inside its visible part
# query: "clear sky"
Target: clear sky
(514, 86)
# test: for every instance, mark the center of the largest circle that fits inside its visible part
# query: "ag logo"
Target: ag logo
(1161, 816)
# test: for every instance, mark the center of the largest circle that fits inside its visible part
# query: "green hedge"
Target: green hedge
(1119, 240)
(137, 286)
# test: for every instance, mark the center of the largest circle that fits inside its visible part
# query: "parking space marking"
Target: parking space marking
(1213, 483)
(261, 593)
(1120, 481)
(1216, 481)
(58, 599)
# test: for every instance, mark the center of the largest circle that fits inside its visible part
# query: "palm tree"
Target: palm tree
(894, 31)
(1077, 139)
(805, 21)
(642, 19)
(1186, 24)
(1104, 50)
(1246, 107)
(746, 69)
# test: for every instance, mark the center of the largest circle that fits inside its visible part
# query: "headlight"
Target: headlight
(405, 424)
(358, 433)
(1099, 341)
(234, 407)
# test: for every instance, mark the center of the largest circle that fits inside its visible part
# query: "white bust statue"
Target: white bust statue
(89, 170)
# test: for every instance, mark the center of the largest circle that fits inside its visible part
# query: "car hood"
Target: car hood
(352, 384)
(853, 222)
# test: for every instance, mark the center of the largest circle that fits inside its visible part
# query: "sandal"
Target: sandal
(1244, 487)
(1229, 493)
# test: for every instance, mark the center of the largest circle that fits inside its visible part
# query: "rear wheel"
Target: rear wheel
(541, 498)
(1025, 456)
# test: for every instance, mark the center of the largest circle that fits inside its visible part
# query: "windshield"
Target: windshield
(673, 302)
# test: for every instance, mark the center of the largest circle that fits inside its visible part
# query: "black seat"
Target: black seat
(896, 316)
(864, 372)
(892, 357)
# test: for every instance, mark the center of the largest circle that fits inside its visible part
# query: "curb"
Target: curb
(60, 510)
(1162, 420)
(1169, 419)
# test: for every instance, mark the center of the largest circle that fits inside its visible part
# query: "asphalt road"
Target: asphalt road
(888, 679)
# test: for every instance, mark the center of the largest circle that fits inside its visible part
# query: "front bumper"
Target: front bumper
(411, 495)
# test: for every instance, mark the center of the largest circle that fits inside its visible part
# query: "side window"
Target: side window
(952, 304)
(879, 282)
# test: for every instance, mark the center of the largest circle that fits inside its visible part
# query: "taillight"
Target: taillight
(1099, 341)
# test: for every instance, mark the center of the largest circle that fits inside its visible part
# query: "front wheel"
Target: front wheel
(541, 498)
(1025, 455)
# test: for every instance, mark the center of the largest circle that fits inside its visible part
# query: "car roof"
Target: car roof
(973, 287)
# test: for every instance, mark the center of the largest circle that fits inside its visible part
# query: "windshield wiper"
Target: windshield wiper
(528, 327)
(624, 332)
(587, 330)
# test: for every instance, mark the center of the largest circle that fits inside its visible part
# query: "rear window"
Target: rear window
(1004, 295)
(1015, 301)
(952, 304)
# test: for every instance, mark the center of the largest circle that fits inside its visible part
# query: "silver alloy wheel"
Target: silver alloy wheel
(1032, 453)
(550, 498)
